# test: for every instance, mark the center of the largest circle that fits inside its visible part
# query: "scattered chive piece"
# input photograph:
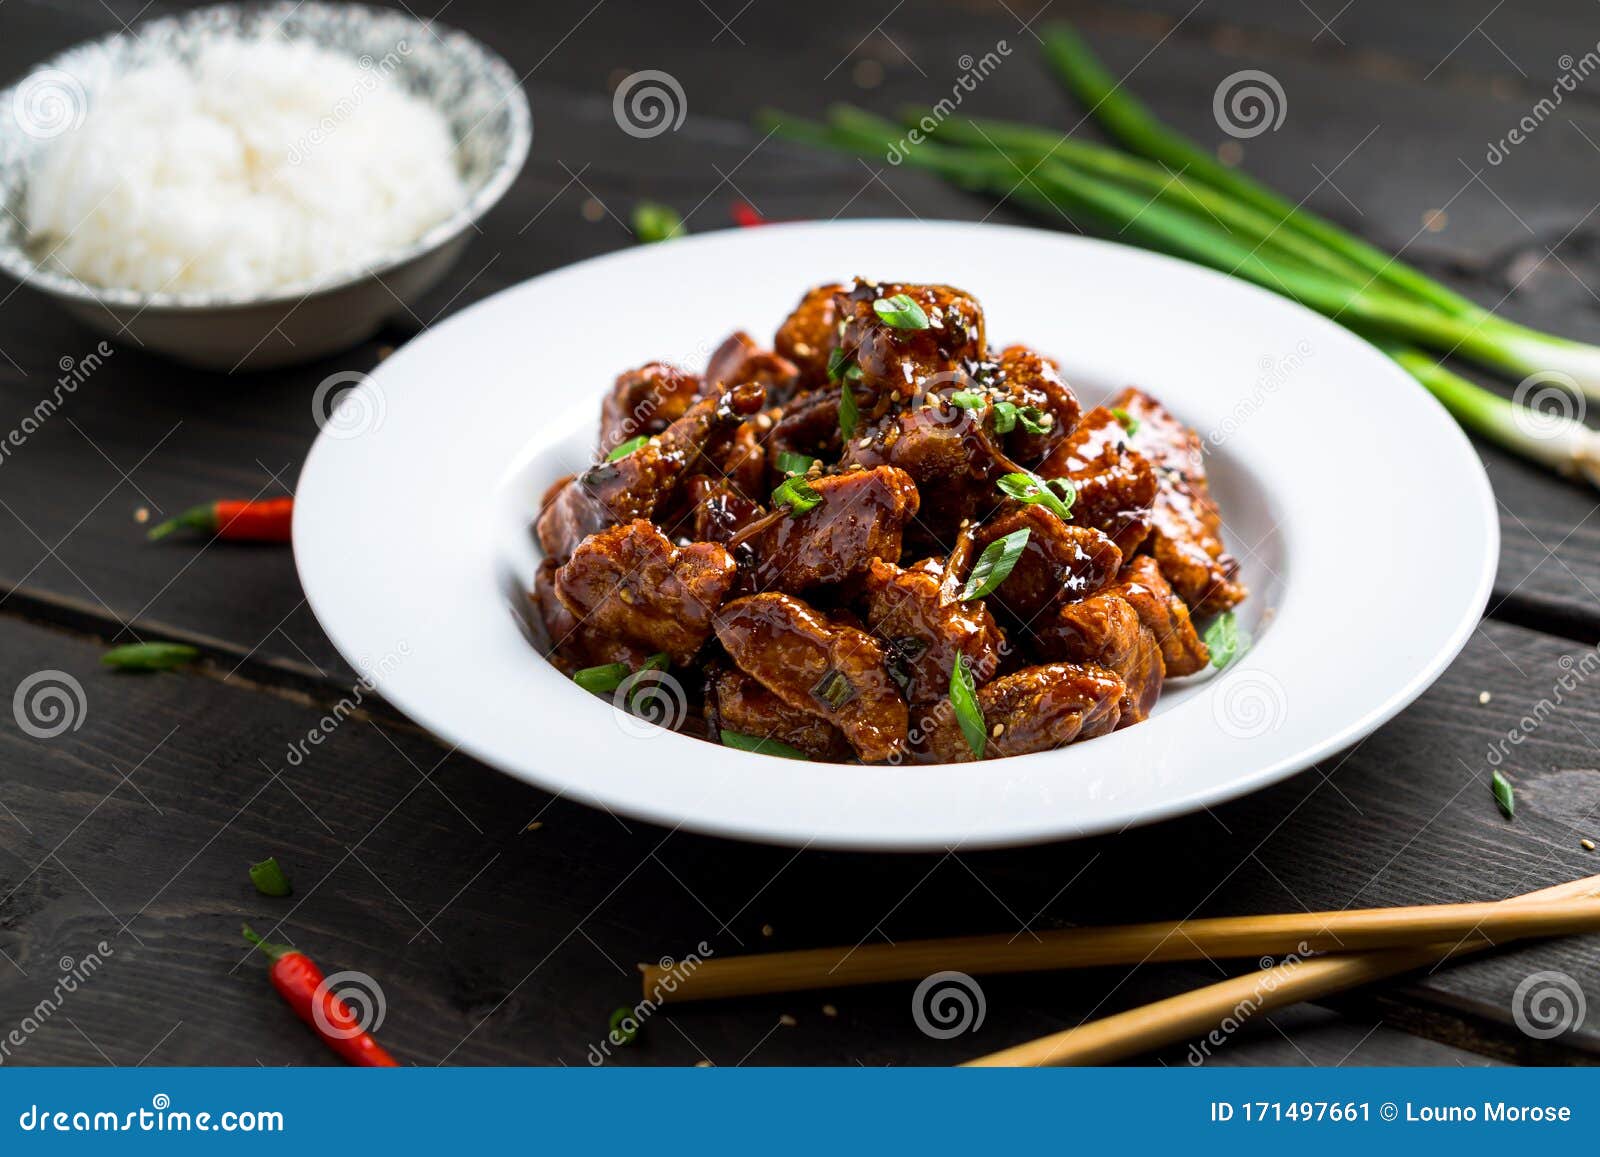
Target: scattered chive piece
(653, 222)
(1126, 420)
(964, 698)
(1223, 639)
(1005, 417)
(835, 690)
(150, 656)
(603, 679)
(1034, 420)
(900, 312)
(269, 879)
(1504, 794)
(657, 662)
(971, 400)
(797, 494)
(1056, 495)
(849, 415)
(995, 563)
(627, 448)
(791, 463)
(838, 362)
(761, 746)
(625, 1036)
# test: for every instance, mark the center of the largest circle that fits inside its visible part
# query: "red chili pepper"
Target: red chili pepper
(267, 520)
(300, 982)
(746, 216)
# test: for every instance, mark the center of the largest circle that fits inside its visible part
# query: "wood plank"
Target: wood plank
(503, 925)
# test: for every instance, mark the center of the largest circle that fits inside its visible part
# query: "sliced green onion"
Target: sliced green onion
(761, 746)
(900, 312)
(602, 680)
(849, 412)
(1057, 495)
(835, 689)
(970, 400)
(838, 363)
(964, 699)
(627, 447)
(797, 494)
(269, 879)
(791, 463)
(1224, 639)
(653, 222)
(1504, 794)
(995, 564)
(619, 1018)
(1126, 420)
(1005, 417)
(150, 656)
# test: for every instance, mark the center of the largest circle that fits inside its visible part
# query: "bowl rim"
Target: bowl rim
(14, 259)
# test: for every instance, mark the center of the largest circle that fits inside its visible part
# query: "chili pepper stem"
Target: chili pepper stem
(202, 518)
(273, 952)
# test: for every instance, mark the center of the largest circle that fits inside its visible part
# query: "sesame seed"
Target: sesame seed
(829, 1010)
(787, 1021)
(1484, 697)
(766, 930)
(703, 1064)
(999, 730)
(534, 826)
(763, 421)
(142, 514)
(1588, 845)
(864, 443)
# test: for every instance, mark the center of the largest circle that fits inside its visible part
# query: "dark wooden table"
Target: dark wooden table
(503, 925)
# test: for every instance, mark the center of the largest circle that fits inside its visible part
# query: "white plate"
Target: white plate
(1362, 517)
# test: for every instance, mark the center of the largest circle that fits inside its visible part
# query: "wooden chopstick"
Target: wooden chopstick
(1219, 938)
(1194, 1013)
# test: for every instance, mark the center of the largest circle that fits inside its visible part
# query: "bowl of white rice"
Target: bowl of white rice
(247, 186)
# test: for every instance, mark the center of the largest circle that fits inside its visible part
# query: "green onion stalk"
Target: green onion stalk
(1518, 349)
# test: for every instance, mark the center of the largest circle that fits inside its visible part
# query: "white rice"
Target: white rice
(262, 165)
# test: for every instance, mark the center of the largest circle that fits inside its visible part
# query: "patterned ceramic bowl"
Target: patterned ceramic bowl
(475, 91)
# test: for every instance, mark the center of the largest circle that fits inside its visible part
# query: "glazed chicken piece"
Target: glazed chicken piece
(820, 666)
(860, 518)
(631, 583)
(570, 643)
(809, 426)
(645, 401)
(635, 485)
(1060, 563)
(745, 461)
(924, 632)
(1029, 380)
(740, 359)
(1035, 709)
(808, 335)
(719, 511)
(1187, 535)
(1116, 486)
(1106, 631)
(1159, 608)
(900, 361)
(736, 702)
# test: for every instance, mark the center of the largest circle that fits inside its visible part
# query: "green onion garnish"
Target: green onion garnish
(849, 413)
(1224, 639)
(1008, 414)
(1057, 495)
(627, 448)
(835, 689)
(797, 494)
(900, 312)
(1005, 417)
(838, 362)
(761, 746)
(964, 699)
(150, 656)
(995, 563)
(620, 1018)
(791, 463)
(602, 680)
(971, 400)
(653, 222)
(1504, 794)
(269, 879)
(1126, 420)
